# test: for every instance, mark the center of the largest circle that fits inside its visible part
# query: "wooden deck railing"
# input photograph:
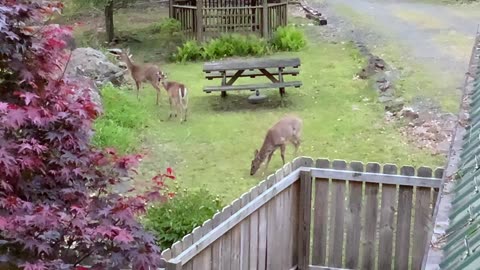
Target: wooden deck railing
(361, 219)
(204, 21)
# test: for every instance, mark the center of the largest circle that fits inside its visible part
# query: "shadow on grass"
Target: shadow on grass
(239, 102)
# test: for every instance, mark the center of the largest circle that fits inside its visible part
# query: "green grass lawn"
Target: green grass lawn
(214, 148)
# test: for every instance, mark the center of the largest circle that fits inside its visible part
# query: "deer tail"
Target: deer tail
(182, 93)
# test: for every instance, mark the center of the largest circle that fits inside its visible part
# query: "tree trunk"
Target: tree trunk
(109, 20)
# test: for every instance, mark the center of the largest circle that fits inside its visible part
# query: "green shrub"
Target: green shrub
(189, 51)
(167, 26)
(288, 38)
(122, 121)
(174, 219)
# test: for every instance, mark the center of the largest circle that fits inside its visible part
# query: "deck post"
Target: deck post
(265, 19)
(170, 8)
(199, 21)
(304, 218)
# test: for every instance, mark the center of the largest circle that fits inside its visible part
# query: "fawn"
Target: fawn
(177, 96)
(287, 129)
(142, 73)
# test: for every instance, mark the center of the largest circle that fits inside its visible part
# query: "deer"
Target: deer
(177, 97)
(141, 73)
(287, 129)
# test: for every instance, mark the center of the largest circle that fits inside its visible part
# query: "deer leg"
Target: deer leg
(171, 112)
(282, 152)
(138, 84)
(296, 143)
(158, 91)
(268, 161)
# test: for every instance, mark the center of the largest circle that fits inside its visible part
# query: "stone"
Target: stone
(94, 64)
(395, 105)
(386, 98)
(409, 113)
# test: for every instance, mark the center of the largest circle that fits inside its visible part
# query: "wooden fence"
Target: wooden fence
(206, 19)
(333, 214)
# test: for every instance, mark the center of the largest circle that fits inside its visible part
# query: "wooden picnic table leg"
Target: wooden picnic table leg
(280, 79)
(224, 82)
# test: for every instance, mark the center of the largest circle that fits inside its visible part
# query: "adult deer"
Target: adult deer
(141, 73)
(287, 129)
(177, 96)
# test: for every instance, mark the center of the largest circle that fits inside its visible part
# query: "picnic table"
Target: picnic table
(274, 69)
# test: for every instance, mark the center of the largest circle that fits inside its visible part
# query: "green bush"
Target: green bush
(167, 26)
(288, 38)
(122, 121)
(176, 218)
(224, 46)
(189, 51)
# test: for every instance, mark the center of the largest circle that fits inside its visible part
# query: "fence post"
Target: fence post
(265, 19)
(170, 8)
(199, 22)
(304, 218)
(173, 266)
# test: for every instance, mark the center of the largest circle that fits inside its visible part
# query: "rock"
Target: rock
(384, 86)
(395, 105)
(409, 113)
(386, 98)
(86, 83)
(94, 64)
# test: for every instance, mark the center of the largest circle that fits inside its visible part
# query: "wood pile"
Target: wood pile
(311, 13)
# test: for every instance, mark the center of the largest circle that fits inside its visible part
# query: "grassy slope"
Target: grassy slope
(215, 146)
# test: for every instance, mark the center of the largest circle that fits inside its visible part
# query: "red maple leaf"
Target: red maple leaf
(123, 237)
(15, 118)
(29, 97)
(33, 266)
(3, 107)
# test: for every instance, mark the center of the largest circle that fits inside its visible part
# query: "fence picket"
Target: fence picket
(236, 239)
(320, 218)
(254, 234)
(387, 214)
(226, 250)
(186, 242)
(371, 214)
(337, 217)
(402, 242)
(203, 260)
(422, 220)
(262, 231)
(353, 224)
(245, 234)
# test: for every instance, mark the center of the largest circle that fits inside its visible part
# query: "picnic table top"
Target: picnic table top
(255, 63)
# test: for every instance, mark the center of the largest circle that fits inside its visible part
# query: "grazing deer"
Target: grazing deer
(141, 73)
(177, 96)
(288, 129)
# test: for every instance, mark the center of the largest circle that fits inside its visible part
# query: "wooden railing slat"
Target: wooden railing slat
(320, 216)
(369, 244)
(387, 214)
(353, 223)
(402, 242)
(337, 214)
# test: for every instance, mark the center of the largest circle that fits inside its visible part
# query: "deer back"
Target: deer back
(286, 129)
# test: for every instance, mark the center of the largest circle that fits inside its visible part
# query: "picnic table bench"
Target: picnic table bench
(273, 69)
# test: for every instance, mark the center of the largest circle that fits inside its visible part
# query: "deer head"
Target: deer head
(256, 162)
(125, 55)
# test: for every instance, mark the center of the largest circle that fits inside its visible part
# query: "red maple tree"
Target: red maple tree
(57, 210)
